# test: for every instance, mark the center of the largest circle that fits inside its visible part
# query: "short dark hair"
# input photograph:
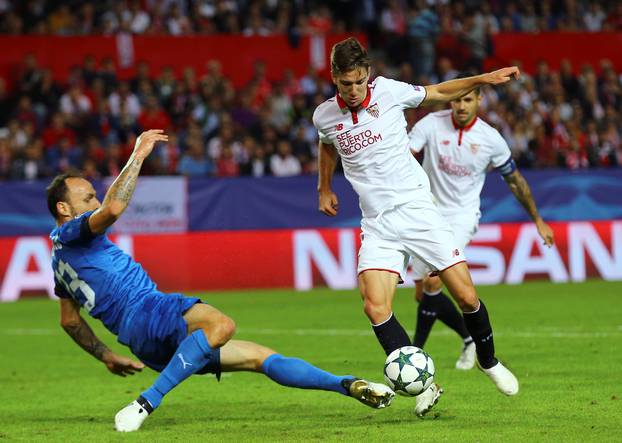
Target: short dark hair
(465, 74)
(348, 55)
(57, 191)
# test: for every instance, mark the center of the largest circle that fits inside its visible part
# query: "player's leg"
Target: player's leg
(377, 290)
(382, 264)
(434, 304)
(239, 355)
(201, 331)
(458, 281)
(426, 312)
(208, 329)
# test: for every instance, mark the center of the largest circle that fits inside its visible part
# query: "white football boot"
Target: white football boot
(374, 395)
(467, 358)
(130, 418)
(503, 379)
(427, 399)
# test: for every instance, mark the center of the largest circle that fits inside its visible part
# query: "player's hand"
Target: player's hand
(120, 365)
(329, 204)
(502, 75)
(147, 140)
(546, 233)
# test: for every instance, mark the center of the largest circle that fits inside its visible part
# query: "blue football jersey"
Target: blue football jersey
(96, 273)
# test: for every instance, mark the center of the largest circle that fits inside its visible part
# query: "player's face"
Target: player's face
(352, 86)
(465, 108)
(81, 196)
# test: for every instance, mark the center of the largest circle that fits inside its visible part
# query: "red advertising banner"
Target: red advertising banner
(302, 259)
(553, 47)
(237, 54)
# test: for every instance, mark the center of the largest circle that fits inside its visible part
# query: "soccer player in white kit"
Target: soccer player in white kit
(458, 149)
(364, 124)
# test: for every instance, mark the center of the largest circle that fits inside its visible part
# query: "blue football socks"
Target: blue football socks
(193, 353)
(297, 373)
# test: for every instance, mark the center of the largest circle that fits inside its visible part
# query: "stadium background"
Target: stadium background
(235, 84)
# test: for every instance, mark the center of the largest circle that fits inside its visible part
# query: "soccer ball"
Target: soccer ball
(409, 370)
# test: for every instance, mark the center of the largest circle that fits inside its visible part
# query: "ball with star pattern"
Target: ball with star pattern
(409, 370)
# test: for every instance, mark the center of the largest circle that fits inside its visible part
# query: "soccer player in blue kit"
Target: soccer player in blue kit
(175, 335)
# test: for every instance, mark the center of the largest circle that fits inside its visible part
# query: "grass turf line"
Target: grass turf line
(562, 340)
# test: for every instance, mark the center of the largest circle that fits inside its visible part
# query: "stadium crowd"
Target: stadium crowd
(552, 118)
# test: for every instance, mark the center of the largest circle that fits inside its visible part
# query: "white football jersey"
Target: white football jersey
(456, 159)
(373, 144)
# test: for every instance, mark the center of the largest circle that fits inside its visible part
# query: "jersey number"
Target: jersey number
(74, 284)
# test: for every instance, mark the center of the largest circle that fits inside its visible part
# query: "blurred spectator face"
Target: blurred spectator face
(284, 149)
(259, 153)
(64, 145)
(89, 169)
(124, 88)
(152, 103)
(57, 121)
(227, 153)
(465, 108)
(352, 86)
(24, 103)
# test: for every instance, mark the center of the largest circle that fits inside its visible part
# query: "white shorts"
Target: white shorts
(464, 227)
(415, 229)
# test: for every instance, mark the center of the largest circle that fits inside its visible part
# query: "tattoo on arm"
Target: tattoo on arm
(124, 185)
(520, 188)
(84, 336)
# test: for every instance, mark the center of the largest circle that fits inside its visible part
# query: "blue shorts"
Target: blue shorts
(156, 327)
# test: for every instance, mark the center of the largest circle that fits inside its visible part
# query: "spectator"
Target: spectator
(283, 163)
(152, 116)
(258, 165)
(124, 99)
(226, 166)
(31, 166)
(594, 17)
(57, 131)
(6, 157)
(194, 162)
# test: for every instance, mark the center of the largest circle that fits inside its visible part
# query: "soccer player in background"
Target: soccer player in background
(364, 124)
(458, 149)
(175, 335)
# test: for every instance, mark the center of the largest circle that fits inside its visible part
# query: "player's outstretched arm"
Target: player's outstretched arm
(327, 160)
(520, 188)
(118, 196)
(453, 89)
(80, 331)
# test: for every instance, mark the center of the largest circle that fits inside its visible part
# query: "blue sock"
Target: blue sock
(193, 353)
(297, 373)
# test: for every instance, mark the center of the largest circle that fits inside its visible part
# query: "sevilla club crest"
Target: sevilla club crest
(373, 110)
(474, 148)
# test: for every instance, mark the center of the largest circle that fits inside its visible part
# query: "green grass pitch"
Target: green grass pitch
(564, 342)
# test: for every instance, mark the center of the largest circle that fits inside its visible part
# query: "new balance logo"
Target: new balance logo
(183, 362)
(339, 127)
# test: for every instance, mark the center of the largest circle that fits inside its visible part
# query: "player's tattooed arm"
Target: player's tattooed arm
(521, 190)
(79, 330)
(120, 193)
